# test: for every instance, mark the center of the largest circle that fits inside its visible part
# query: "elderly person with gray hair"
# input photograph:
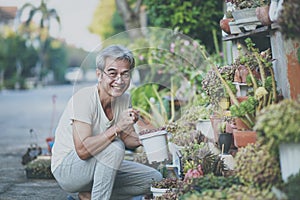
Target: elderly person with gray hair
(93, 131)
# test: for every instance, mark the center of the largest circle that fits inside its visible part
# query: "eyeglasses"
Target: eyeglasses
(115, 76)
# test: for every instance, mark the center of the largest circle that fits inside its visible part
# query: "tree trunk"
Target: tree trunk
(131, 17)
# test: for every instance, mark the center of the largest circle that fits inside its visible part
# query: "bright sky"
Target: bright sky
(75, 16)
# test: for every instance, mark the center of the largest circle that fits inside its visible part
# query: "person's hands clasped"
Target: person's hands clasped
(127, 119)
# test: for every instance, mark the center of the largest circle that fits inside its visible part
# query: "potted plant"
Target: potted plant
(263, 89)
(279, 127)
(225, 136)
(255, 166)
(159, 188)
(245, 13)
(288, 19)
(39, 168)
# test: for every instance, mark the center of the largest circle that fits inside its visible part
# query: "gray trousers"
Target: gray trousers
(107, 175)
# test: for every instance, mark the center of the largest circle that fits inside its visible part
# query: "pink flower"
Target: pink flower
(186, 42)
(141, 57)
(193, 173)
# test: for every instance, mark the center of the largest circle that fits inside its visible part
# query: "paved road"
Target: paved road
(21, 111)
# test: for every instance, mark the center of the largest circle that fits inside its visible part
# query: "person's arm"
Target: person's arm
(131, 139)
(86, 144)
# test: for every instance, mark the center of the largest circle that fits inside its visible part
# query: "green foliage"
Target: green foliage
(16, 58)
(194, 18)
(288, 19)
(57, 59)
(242, 4)
(102, 21)
(255, 166)
(211, 181)
(291, 187)
(279, 123)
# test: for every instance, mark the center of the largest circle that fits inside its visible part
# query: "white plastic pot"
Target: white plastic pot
(158, 192)
(289, 159)
(155, 146)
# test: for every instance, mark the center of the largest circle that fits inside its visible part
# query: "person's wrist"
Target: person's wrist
(117, 131)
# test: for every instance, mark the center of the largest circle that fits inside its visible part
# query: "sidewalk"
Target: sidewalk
(14, 184)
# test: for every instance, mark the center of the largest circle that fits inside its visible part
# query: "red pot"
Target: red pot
(243, 138)
(262, 14)
(224, 24)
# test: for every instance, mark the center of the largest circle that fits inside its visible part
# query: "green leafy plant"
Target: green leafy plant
(155, 111)
(261, 96)
(279, 123)
(288, 19)
(291, 187)
(242, 4)
(167, 183)
(255, 166)
(39, 168)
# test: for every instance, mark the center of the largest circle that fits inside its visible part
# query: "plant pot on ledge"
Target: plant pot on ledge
(243, 138)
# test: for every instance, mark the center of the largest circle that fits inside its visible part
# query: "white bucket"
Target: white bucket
(155, 145)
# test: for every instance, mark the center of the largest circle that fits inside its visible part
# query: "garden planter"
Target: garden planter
(215, 123)
(155, 145)
(158, 192)
(243, 138)
(224, 142)
(205, 126)
(262, 14)
(289, 159)
(246, 19)
(240, 125)
(234, 29)
(39, 168)
(224, 24)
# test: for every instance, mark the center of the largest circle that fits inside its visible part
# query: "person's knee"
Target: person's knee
(156, 176)
(113, 155)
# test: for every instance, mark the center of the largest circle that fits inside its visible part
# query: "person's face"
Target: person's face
(115, 78)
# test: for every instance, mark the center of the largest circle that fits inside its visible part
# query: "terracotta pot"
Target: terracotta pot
(240, 125)
(224, 24)
(243, 138)
(240, 99)
(241, 73)
(215, 122)
(262, 14)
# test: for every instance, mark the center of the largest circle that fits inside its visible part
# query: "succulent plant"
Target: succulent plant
(279, 123)
(291, 187)
(288, 19)
(242, 4)
(166, 183)
(255, 166)
(39, 168)
(235, 192)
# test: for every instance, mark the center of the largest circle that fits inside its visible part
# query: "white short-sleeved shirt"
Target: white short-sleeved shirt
(84, 106)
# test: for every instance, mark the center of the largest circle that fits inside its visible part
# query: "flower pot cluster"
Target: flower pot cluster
(242, 16)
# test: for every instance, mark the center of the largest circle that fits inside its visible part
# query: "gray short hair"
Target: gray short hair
(117, 52)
